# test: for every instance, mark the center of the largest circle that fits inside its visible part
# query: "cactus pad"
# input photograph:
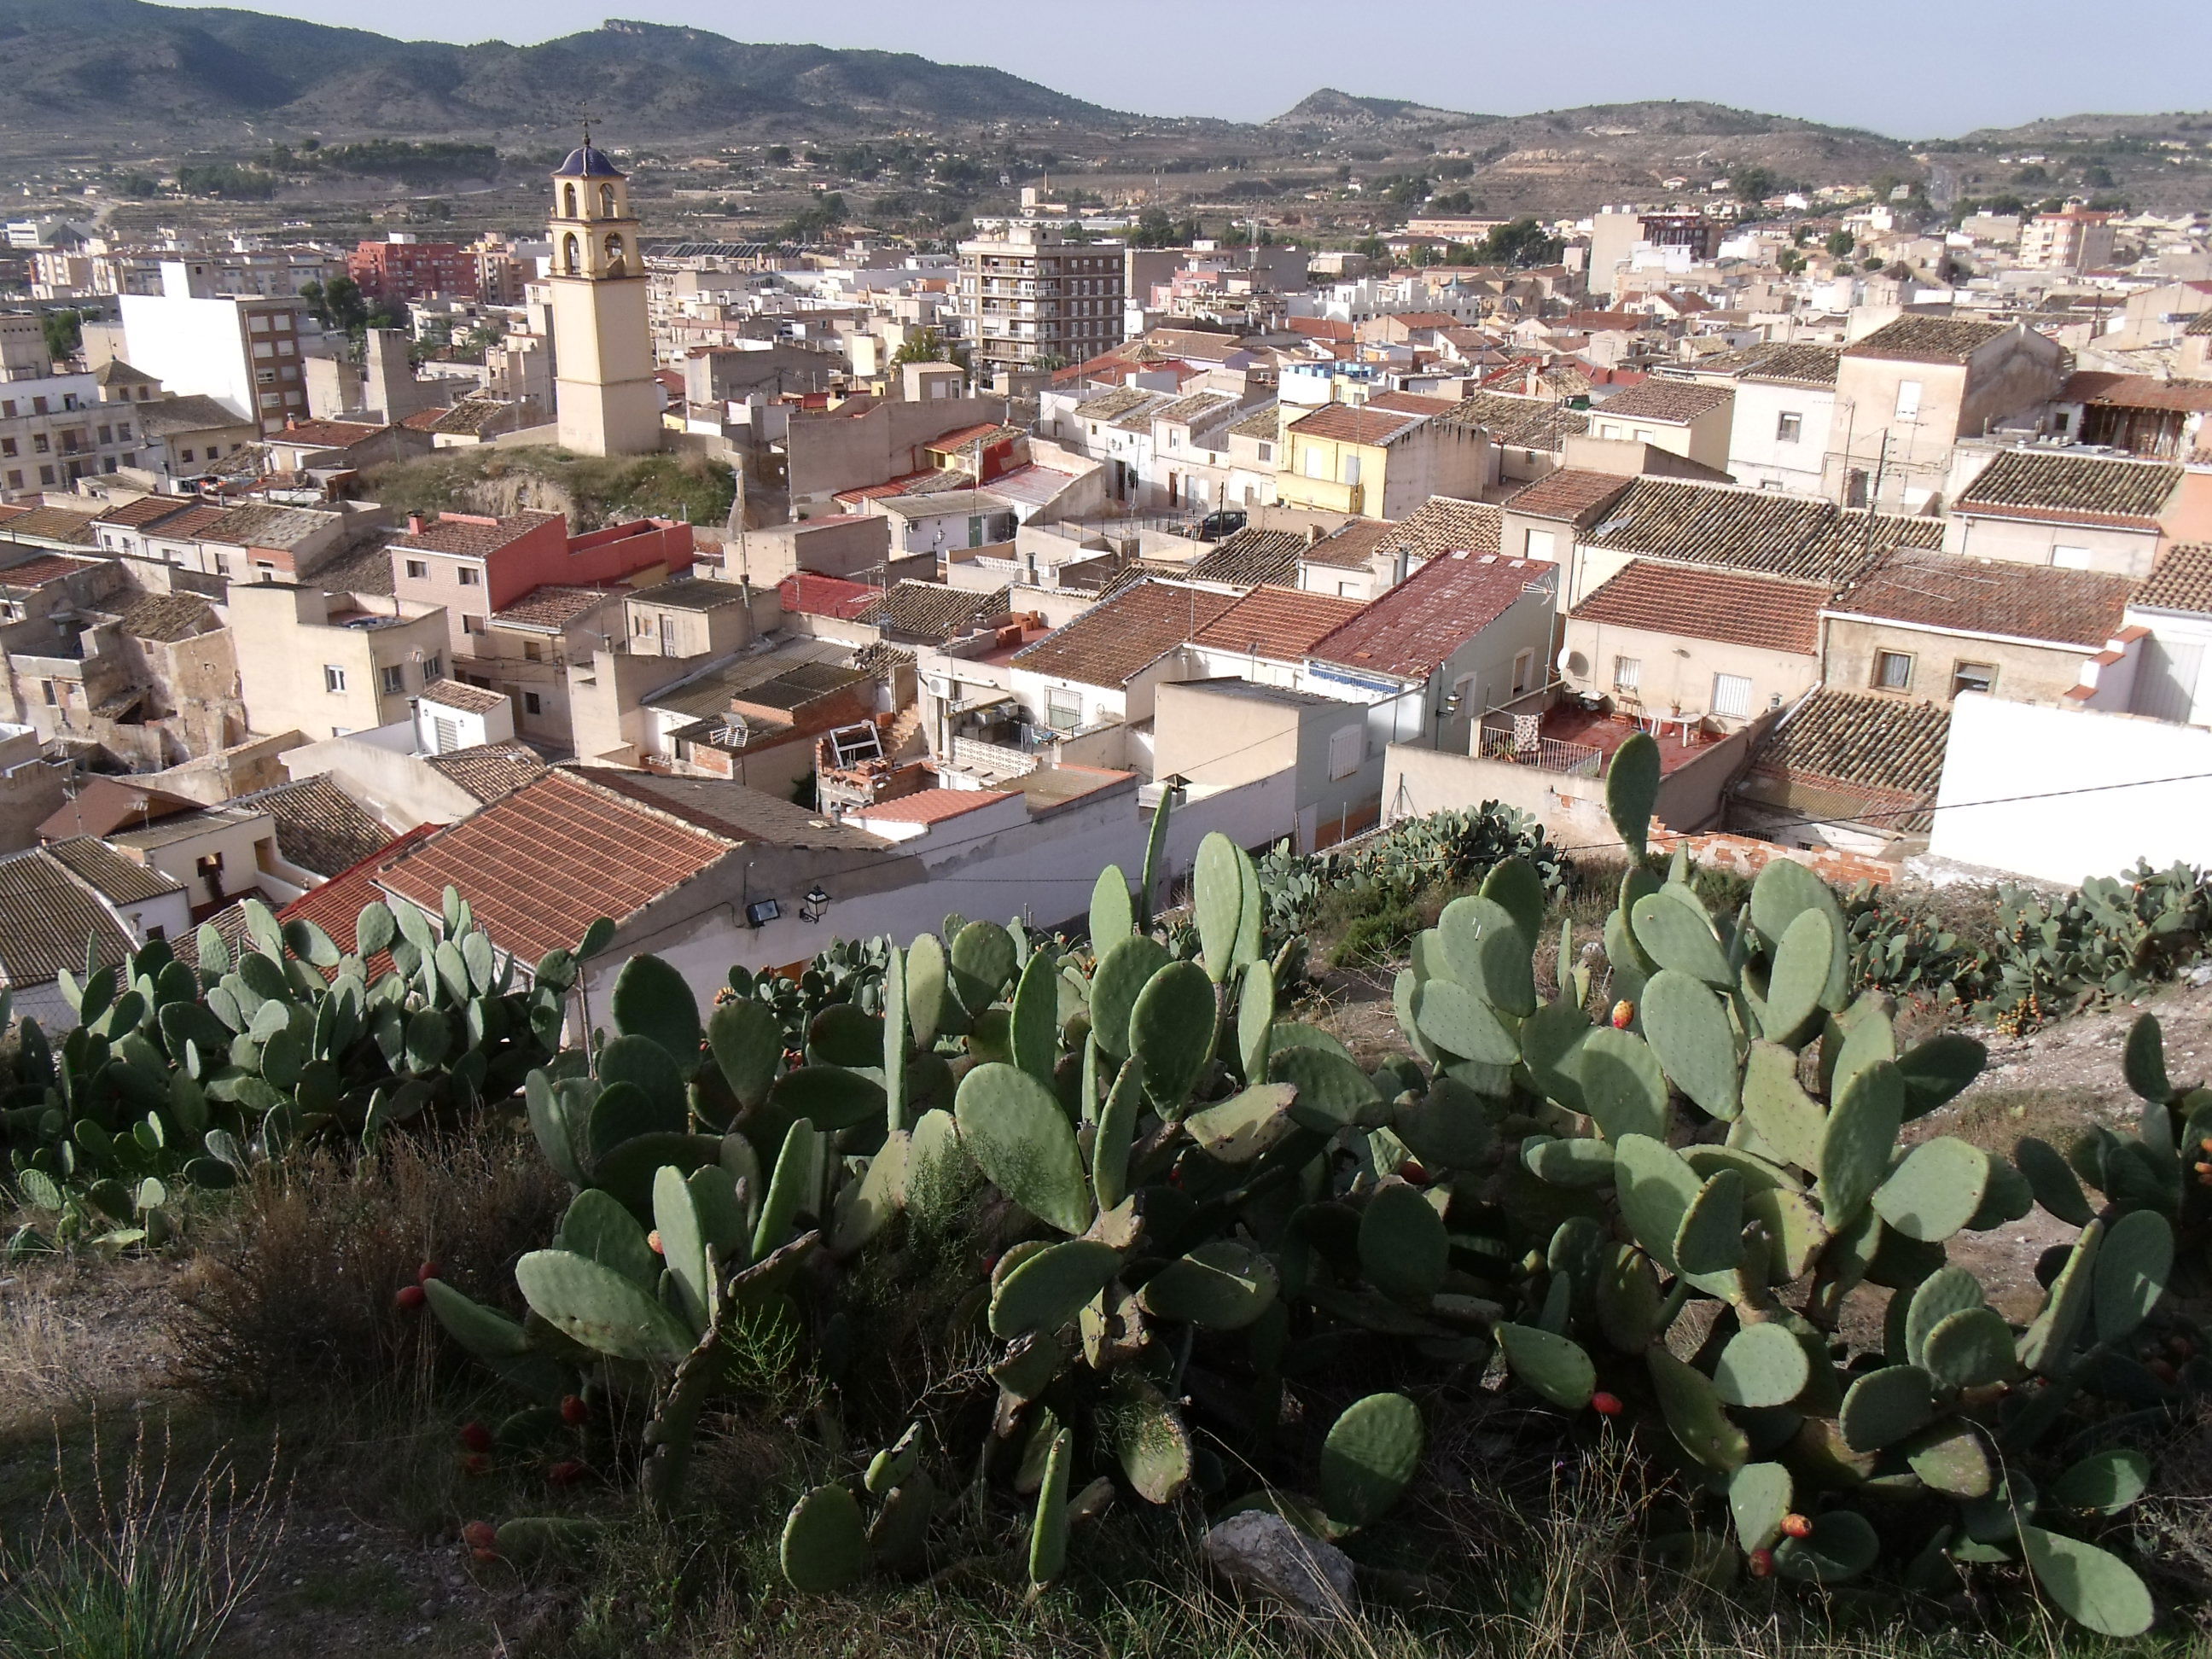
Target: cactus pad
(1112, 916)
(1148, 1438)
(1121, 973)
(2143, 1061)
(1048, 1527)
(1855, 1146)
(1171, 1031)
(1221, 1285)
(1687, 1027)
(600, 1308)
(1710, 1238)
(2133, 1267)
(2104, 1483)
(1759, 1497)
(1571, 1163)
(2092, 1587)
(1800, 977)
(1554, 1366)
(1015, 1130)
(1657, 1190)
(1219, 893)
(1951, 1457)
(651, 999)
(1882, 1407)
(1939, 1070)
(825, 1545)
(1935, 1299)
(1403, 1247)
(1936, 1190)
(1842, 1545)
(1462, 1023)
(1489, 954)
(1696, 1414)
(1970, 1349)
(1238, 1129)
(1677, 936)
(1623, 1087)
(1370, 1454)
(2056, 1187)
(1631, 791)
(1332, 1090)
(1048, 1288)
(1762, 1366)
(2047, 1345)
(983, 958)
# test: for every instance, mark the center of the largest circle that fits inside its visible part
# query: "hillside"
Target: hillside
(127, 68)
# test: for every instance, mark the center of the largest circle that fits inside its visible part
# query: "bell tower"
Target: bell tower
(605, 395)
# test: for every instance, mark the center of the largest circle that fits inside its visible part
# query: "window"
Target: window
(1539, 543)
(1316, 461)
(418, 570)
(434, 667)
(471, 576)
(107, 434)
(45, 475)
(1063, 710)
(333, 679)
(395, 679)
(122, 431)
(2070, 558)
(1352, 471)
(1732, 695)
(532, 703)
(571, 254)
(1973, 677)
(1267, 452)
(532, 651)
(41, 443)
(1788, 427)
(47, 686)
(1524, 672)
(7, 446)
(1345, 746)
(1893, 670)
(472, 624)
(184, 455)
(1908, 400)
(1627, 673)
(444, 734)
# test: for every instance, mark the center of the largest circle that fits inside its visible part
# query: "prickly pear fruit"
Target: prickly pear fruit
(410, 1298)
(480, 1535)
(1797, 1526)
(1623, 1015)
(484, 1558)
(566, 1473)
(476, 1463)
(427, 1271)
(1605, 1405)
(1762, 1564)
(1413, 1173)
(475, 1436)
(652, 1242)
(574, 1412)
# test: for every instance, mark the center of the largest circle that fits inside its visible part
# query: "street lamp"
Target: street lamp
(815, 905)
(1445, 710)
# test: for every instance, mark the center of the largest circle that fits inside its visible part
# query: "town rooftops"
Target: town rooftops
(325, 434)
(1251, 556)
(1410, 403)
(1670, 402)
(1768, 612)
(2182, 581)
(931, 805)
(2102, 391)
(694, 593)
(934, 611)
(49, 523)
(468, 699)
(1407, 631)
(185, 826)
(470, 536)
(1920, 587)
(2092, 490)
(103, 805)
(38, 570)
(1853, 755)
(1446, 524)
(1928, 340)
(1574, 494)
(335, 906)
(262, 524)
(488, 770)
(197, 519)
(1281, 623)
(1195, 409)
(1791, 364)
(1523, 422)
(146, 510)
(193, 412)
(1122, 400)
(1351, 424)
(1264, 422)
(52, 919)
(318, 826)
(2200, 324)
(1738, 529)
(540, 864)
(551, 607)
(167, 618)
(1119, 638)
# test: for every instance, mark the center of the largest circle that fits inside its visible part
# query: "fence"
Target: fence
(1501, 742)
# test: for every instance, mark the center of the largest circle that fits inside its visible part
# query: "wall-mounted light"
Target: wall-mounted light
(760, 912)
(815, 905)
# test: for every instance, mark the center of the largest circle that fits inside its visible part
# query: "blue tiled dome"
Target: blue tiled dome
(585, 162)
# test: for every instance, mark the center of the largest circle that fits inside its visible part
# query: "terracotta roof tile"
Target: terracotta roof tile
(49, 914)
(1927, 339)
(2071, 488)
(471, 540)
(488, 770)
(146, 510)
(1445, 524)
(102, 805)
(1717, 525)
(1281, 623)
(1660, 598)
(1353, 545)
(468, 699)
(1122, 400)
(166, 618)
(1407, 631)
(38, 570)
(551, 607)
(2135, 391)
(54, 524)
(1930, 589)
(932, 805)
(325, 435)
(1524, 423)
(1571, 493)
(1792, 364)
(934, 611)
(335, 906)
(1411, 403)
(1266, 423)
(1252, 556)
(2182, 581)
(1117, 639)
(1884, 751)
(1676, 401)
(318, 826)
(1352, 424)
(116, 878)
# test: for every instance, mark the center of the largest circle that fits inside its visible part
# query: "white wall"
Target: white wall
(1999, 749)
(191, 346)
(1757, 457)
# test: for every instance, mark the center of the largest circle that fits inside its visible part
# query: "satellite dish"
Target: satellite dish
(1566, 657)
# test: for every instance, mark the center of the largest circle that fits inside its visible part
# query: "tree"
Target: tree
(927, 346)
(1523, 244)
(1840, 242)
(1372, 246)
(1748, 183)
(337, 304)
(64, 333)
(777, 155)
(1790, 262)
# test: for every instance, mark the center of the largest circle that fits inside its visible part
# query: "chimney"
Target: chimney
(1313, 534)
(415, 523)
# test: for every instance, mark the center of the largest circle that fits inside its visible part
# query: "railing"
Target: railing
(1577, 760)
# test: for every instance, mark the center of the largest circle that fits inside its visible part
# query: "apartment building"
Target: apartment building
(2073, 239)
(1030, 299)
(324, 665)
(402, 268)
(55, 429)
(243, 352)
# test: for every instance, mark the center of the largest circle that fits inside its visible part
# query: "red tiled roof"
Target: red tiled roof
(1925, 589)
(1353, 424)
(38, 572)
(147, 509)
(1279, 622)
(1321, 328)
(807, 594)
(470, 538)
(1116, 639)
(1569, 493)
(1412, 402)
(1424, 619)
(105, 804)
(1769, 612)
(1676, 401)
(335, 906)
(932, 805)
(539, 866)
(425, 419)
(325, 435)
(2135, 391)
(551, 605)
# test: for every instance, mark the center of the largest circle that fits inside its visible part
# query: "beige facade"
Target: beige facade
(1927, 665)
(1897, 417)
(1674, 674)
(1703, 438)
(325, 665)
(1223, 734)
(1030, 299)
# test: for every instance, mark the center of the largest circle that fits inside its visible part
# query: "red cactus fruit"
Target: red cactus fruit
(1605, 1405)
(476, 1463)
(1623, 1014)
(574, 1412)
(1797, 1526)
(484, 1558)
(480, 1535)
(410, 1296)
(2164, 1371)
(1762, 1564)
(1412, 1172)
(475, 1436)
(428, 1271)
(652, 1242)
(566, 1474)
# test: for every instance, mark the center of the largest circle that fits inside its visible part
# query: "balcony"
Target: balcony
(1524, 745)
(1320, 495)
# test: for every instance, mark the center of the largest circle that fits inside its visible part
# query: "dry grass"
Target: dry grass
(293, 1295)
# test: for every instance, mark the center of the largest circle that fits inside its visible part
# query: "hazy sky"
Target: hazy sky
(1911, 68)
